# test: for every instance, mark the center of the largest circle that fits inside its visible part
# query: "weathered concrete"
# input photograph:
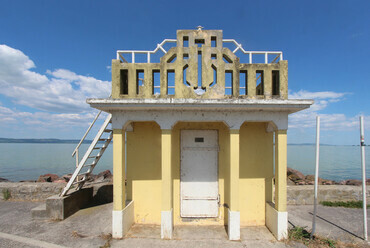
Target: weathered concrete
(303, 195)
(216, 61)
(31, 191)
(91, 226)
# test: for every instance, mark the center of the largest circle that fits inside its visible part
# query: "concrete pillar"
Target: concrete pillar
(234, 213)
(119, 188)
(280, 170)
(276, 214)
(167, 207)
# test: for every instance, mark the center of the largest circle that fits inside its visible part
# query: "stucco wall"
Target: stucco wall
(144, 171)
(256, 172)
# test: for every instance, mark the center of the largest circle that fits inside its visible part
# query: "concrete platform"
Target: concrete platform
(92, 226)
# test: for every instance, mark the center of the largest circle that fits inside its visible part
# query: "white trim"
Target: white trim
(276, 222)
(166, 224)
(122, 220)
(233, 226)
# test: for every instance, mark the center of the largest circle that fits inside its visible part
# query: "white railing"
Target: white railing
(148, 53)
(279, 54)
(76, 150)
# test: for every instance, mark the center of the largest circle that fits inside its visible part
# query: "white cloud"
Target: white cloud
(335, 121)
(61, 90)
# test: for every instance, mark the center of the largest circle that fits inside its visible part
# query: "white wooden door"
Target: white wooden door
(199, 173)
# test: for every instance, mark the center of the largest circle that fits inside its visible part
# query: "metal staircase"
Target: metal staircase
(92, 156)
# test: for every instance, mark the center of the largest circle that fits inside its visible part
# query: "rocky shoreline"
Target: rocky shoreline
(104, 176)
(294, 177)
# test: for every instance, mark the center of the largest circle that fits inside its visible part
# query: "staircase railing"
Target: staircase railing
(76, 150)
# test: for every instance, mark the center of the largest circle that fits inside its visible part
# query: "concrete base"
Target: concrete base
(276, 222)
(167, 224)
(59, 208)
(233, 228)
(122, 220)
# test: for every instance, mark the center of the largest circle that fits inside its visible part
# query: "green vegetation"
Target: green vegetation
(348, 204)
(300, 234)
(6, 194)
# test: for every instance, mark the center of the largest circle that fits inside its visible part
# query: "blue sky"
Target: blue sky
(55, 54)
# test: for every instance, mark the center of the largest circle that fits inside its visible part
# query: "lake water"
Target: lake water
(28, 161)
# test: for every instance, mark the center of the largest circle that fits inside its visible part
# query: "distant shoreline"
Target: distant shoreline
(74, 141)
(42, 141)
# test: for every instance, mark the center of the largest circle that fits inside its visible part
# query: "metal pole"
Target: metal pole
(316, 175)
(362, 140)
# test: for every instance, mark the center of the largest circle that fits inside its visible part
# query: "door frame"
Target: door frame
(217, 173)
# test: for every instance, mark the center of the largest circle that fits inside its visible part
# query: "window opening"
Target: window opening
(184, 75)
(124, 82)
(275, 83)
(259, 83)
(199, 42)
(185, 41)
(156, 79)
(214, 76)
(228, 83)
(213, 56)
(226, 59)
(170, 82)
(185, 56)
(213, 41)
(139, 79)
(172, 59)
(243, 77)
(200, 68)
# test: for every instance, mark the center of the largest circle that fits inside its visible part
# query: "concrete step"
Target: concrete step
(39, 212)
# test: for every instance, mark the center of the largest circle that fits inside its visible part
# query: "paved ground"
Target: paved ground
(90, 228)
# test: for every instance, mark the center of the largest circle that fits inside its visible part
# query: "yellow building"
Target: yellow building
(200, 137)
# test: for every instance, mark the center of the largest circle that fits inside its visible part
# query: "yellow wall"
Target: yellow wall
(256, 172)
(144, 171)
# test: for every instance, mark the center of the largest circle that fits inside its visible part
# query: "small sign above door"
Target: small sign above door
(199, 139)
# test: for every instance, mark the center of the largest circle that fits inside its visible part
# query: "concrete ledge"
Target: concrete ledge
(276, 222)
(233, 227)
(167, 224)
(122, 220)
(303, 195)
(31, 191)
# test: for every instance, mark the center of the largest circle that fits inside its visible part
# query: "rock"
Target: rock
(294, 175)
(290, 182)
(60, 180)
(311, 178)
(353, 182)
(3, 180)
(47, 178)
(67, 177)
(105, 174)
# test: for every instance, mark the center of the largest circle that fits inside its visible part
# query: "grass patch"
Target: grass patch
(300, 234)
(6, 194)
(348, 204)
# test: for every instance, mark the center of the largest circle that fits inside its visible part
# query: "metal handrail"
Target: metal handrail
(250, 53)
(133, 52)
(75, 151)
(278, 54)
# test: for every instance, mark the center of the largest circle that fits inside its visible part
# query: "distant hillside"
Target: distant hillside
(50, 141)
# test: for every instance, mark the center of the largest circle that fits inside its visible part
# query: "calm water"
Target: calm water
(28, 161)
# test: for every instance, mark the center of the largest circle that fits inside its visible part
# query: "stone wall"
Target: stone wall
(297, 195)
(304, 195)
(30, 191)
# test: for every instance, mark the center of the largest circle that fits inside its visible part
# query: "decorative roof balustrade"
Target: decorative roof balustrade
(199, 66)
